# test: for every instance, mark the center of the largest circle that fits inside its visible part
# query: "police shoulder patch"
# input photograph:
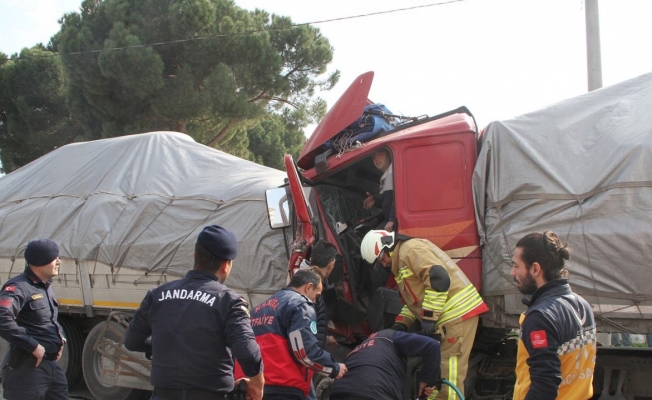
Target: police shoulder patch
(313, 327)
(10, 288)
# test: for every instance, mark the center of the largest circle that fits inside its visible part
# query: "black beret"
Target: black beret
(220, 242)
(41, 252)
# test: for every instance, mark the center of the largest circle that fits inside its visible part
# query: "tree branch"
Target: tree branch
(222, 133)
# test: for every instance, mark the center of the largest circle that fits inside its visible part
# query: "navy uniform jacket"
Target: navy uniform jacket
(28, 314)
(196, 325)
(285, 326)
(376, 367)
(557, 346)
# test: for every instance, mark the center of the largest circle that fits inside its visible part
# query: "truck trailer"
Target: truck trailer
(126, 213)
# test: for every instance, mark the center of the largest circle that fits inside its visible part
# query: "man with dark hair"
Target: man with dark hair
(28, 321)
(197, 325)
(322, 257)
(285, 328)
(557, 344)
(377, 367)
(385, 198)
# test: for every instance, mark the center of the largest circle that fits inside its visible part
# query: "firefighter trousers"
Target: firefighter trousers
(455, 351)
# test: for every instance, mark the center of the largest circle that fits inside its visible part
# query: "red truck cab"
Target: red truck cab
(433, 160)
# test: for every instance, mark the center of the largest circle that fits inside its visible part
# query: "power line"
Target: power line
(247, 32)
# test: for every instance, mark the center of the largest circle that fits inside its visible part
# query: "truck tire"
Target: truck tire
(71, 357)
(91, 367)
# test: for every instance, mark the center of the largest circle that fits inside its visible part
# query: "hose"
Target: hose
(454, 388)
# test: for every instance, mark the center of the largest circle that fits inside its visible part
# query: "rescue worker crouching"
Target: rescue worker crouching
(285, 326)
(436, 292)
(377, 367)
(197, 325)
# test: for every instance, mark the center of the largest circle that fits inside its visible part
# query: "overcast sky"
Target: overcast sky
(500, 58)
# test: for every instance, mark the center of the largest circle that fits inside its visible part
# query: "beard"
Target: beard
(528, 286)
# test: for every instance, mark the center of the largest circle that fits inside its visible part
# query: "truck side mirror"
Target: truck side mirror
(277, 208)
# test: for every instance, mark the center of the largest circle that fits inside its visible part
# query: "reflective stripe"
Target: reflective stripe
(402, 274)
(452, 377)
(434, 301)
(461, 303)
(406, 313)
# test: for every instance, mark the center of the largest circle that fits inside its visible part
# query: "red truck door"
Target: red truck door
(434, 199)
(304, 236)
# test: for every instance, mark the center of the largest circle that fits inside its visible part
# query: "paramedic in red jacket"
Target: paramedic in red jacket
(285, 326)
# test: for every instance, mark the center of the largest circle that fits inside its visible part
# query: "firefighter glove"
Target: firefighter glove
(399, 327)
(427, 327)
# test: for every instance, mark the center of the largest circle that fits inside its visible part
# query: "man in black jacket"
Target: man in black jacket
(197, 325)
(557, 343)
(28, 321)
(377, 367)
(322, 256)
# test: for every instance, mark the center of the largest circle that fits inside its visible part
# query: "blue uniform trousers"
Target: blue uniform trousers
(26, 382)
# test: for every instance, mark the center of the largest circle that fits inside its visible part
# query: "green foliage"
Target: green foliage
(272, 138)
(245, 83)
(246, 66)
(33, 117)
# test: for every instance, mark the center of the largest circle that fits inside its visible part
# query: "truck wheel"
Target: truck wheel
(91, 365)
(71, 357)
(322, 386)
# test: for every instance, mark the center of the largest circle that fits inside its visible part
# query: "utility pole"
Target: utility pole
(593, 57)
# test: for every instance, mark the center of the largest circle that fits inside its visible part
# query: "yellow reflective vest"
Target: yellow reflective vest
(557, 346)
(411, 263)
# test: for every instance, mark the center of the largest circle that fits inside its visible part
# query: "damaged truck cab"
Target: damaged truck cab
(432, 160)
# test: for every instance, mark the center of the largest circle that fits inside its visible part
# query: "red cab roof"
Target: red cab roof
(345, 111)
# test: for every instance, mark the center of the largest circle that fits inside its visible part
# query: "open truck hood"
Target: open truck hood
(345, 111)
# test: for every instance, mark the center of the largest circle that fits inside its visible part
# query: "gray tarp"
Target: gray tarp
(582, 168)
(140, 201)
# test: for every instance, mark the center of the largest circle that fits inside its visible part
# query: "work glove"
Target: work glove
(399, 327)
(427, 327)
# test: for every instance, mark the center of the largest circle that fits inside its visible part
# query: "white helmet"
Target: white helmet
(374, 242)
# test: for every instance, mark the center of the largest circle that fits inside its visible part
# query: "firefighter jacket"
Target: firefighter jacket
(433, 287)
(197, 326)
(376, 368)
(285, 326)
(557, 346)
(28, 314)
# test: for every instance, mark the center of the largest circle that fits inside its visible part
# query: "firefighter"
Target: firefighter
(436, 292)
(285, 326)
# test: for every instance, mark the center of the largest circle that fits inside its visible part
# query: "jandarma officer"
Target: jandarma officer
(197, 325)
(28, 321)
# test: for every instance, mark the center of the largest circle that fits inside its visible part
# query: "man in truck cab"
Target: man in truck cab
(436, 292)
(197, 325)
(285, 326)
(385, 199)
(557, 344)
